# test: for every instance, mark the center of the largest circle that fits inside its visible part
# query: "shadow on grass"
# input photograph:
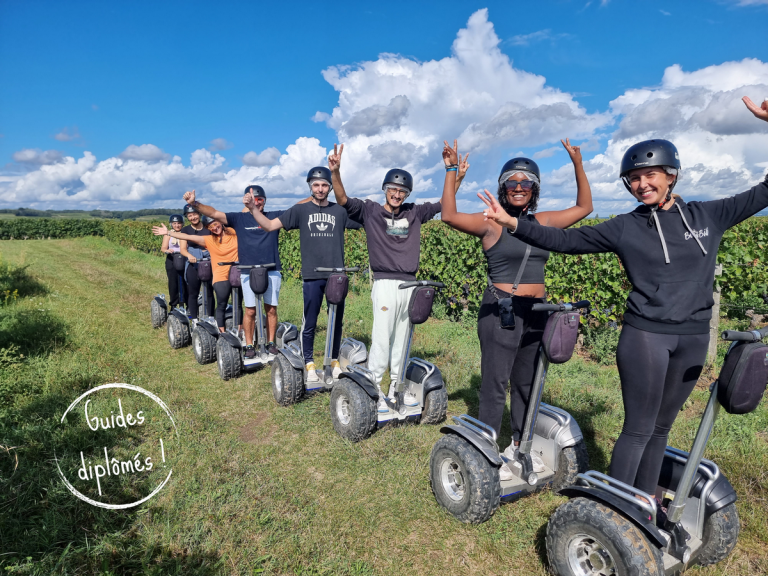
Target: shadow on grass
(18, 281)
(30, 332)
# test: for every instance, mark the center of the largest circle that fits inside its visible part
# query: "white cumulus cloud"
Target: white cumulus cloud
(145, 152)
(267, 157)
(35, 156)
(218, 144)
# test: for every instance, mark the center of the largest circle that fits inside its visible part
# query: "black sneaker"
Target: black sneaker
(250, 352)
(271, 348)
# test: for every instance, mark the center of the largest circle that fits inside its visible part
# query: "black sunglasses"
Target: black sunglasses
(524, 184)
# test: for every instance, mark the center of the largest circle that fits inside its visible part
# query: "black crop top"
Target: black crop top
(504, 259)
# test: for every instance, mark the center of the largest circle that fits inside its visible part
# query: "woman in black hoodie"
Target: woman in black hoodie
(668, 248)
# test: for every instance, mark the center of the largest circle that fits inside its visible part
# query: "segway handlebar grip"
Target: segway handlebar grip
(560, 307)
(247, 266)
(338, 270)
(751, 336)
(228, 263)
(413, 283)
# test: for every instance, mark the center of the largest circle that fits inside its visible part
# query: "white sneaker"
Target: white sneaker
(538, 463)
(382, 406)
(505, 473)
(312, 377)
(410, 400)
(335, 369)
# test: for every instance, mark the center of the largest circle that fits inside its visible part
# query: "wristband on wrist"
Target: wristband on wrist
(451, 169)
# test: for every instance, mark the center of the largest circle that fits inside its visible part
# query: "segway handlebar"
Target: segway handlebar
(565, 307)
(246, 266)
(751, 336)
(339, 270)
(413, 283)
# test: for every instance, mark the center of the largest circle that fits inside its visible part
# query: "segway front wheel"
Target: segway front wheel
(157, 313)
(178, 333)
(586, 537)
(287, 382)
(204, 346)
(572, 461)
(435, 406)
(353, 412)
(464, 482)
(721, 531)
(229, 360)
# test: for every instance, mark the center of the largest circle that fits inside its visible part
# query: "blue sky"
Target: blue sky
(231, 78)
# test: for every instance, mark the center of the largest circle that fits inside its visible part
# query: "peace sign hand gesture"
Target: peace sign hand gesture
(450, 155)
(573, 151)
(334, 158)
(463, 165)
(759, 111)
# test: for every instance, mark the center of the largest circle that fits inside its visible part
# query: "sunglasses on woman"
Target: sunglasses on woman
(524, 184)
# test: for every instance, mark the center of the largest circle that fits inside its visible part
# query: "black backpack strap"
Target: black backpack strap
(522, 267)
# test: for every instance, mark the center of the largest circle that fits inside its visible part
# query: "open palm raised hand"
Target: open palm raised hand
(159, 230)
(334, 158)
(759, 111)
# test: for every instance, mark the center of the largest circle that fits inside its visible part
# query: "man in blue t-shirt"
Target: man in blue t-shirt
(254, 246)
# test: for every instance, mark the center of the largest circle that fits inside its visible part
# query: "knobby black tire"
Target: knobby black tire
(482, 489)
(435, 406)
(228, 358)
(291, 381)
(178, 333)
(157, 314)
(632, 554)
(362, 411)
(721, 531)
(572, 461)
(204, 346)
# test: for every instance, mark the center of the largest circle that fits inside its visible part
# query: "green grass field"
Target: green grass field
(261, 489)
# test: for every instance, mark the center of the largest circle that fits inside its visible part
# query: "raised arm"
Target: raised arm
(583, 208)
(583, 240)
(334, 163)
(210, 211)
(265, 223)
(474, 224)
(163, 231)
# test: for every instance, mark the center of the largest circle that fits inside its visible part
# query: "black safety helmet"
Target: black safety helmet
(515, 165)
(399, 177)
(521, 164)
(206, 220)
(176, 218)
(649, 153)
(319, 172)
(256, 190)
(189, 208)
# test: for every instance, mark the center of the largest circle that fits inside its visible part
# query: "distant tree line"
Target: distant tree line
(112, 214)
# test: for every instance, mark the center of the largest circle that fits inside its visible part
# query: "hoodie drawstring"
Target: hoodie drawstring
(661, 236)
(653, 217)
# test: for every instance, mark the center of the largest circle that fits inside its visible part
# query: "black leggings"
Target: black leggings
(658, 372)
(508, 357)
(193, 290)
(173, 282)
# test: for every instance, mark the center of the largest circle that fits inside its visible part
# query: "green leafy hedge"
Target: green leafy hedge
(38, 228)
(457, 260)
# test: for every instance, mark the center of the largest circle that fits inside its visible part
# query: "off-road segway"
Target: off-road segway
(354, 401)
(464, 465)
(205, 331)
(178, 321)
(610, 527)
(289, 374)
(230, 345)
